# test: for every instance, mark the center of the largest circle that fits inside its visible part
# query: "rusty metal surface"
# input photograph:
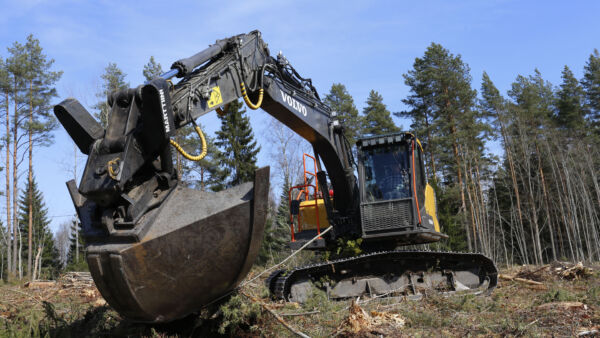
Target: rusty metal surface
(199, 246)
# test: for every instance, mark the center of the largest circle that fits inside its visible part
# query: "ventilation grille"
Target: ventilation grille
(387, 216)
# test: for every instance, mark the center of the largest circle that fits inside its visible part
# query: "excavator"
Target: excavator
(159, 251)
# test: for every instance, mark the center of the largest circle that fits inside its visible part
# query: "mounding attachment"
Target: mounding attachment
(197, 247)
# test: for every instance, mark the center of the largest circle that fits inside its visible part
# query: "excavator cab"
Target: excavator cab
(396, 202)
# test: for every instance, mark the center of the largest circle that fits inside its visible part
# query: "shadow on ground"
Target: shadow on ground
(102, 321)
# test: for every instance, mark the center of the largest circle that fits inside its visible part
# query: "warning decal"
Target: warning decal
(215, 97)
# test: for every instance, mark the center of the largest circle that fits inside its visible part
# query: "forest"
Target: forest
(515, 173)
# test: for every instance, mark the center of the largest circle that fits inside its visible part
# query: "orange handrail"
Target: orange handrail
(307, 172)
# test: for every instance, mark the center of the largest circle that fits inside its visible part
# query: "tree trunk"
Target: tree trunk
(30, 193)
(36, 266)
(7, 192)
(20, 263)
(460, 185)
(511, 164)
(14, 185)
(547, 204)
(430, 141)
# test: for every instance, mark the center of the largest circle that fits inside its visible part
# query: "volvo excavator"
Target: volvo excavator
(159, 251)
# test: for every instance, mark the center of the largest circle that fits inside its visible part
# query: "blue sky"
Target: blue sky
(362, 44)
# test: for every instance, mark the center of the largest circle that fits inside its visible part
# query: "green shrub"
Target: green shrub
(238, 313)
(557, 295)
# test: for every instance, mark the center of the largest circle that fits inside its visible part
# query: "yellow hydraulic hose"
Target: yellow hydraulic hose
(112, 172)
(247, 100)
(188, 156)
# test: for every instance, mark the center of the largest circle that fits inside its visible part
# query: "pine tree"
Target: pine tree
(238, 147)
(591, 85)
(531, 113)
(113, 80)
(342, 103)
(40, 81)
(5, 91)
(17, 71)
(571, 111)
(444, 113)
(152, 69)
(43, 241)
(533, 100)
(377, 119)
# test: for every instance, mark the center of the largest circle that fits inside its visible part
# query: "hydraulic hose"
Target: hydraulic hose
(251, 105)
(188, 156)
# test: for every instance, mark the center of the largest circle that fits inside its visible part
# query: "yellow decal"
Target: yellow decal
(215, 97)
(430, 206)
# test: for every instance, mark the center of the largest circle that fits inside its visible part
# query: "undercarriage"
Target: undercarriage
(393, 273)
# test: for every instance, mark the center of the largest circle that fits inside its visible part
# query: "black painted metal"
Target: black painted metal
(198, 247)
(80, 125)
(185, 66)
(289, 98)
(475, 270)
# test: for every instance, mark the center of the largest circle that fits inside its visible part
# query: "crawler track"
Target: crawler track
(388, 272)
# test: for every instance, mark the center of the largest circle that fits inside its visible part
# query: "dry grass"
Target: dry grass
(513, 309)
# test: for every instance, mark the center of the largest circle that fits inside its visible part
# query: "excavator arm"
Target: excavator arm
(157, 250)
(241, 67)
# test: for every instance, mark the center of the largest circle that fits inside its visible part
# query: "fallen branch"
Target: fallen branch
(518, 279)
(505, 277)
(26, 294)
(527, 281)
(542, 268)
(299, 314)
(575, 272)
(562, 305)
(278, 317)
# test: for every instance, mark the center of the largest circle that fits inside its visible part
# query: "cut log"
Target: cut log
(527, 281)
(40, 284)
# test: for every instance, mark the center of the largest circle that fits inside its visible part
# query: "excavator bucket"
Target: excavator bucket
(157, 250)
(198, 247)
